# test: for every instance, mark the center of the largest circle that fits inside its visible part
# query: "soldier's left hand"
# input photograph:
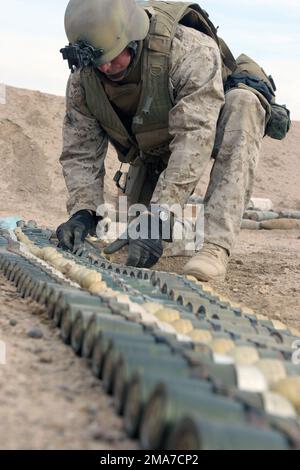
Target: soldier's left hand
(144, 237)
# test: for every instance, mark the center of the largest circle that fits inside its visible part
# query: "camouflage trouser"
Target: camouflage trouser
(141, 182)
(240, 132)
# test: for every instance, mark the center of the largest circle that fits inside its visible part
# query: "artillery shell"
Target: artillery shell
(8, 267)
(101, 323)
(289, 214)
(152, 307)
(260, 215)
(36, 291)
(294, 332)
(219, 374)
(97, 288)
(168, 403)
(250, 225)
(197, 434)
(246, 356)
(140, 389)
(14, 273)
(278, 405)
(25, 284)
(151, 353)
(68, 316)
(290, 389)
(54, 296)
(80, 299)
(280, 224)
(182, 327)
(21, 280)
(167, 315)
(129, 367)
(292, 370)
(222, 346)
(80, 324)
(45, 292)
(170, 339)
(104, 342)
(90, 278)
(29, 289)
(201, 336)
(287, 427)
(251, 379)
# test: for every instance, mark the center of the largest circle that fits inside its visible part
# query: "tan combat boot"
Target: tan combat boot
(209, 265)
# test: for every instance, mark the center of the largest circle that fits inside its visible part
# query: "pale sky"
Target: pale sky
(32, 32)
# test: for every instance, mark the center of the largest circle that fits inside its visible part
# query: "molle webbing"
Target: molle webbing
(150, 125)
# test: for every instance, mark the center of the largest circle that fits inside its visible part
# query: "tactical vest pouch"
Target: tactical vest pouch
(248, 66)
(134, 182)
(250, 76)
(279, 123)
(251, 81)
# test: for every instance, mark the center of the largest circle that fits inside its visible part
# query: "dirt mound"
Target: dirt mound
(278, 173)
(31, 181)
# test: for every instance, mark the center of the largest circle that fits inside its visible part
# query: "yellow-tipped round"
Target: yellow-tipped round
(18, 232)
(244, 355)
(97, 288)
(35, 251)
(248, 311)
(192, 278)
(260, 317)
(167, 315)
(278, 325)
(272, 369)
(201, 336)
(294, 332)
(152, 307)
(222, 346)
(182, 327)
(90, 277)
(49, 253)
(73, 271)
(290, 389)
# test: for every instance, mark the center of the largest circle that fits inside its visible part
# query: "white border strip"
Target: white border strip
(2, 93)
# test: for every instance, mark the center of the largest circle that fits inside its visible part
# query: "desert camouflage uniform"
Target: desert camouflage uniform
(196, 84)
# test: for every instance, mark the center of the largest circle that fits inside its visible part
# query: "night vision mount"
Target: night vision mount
(80, 54)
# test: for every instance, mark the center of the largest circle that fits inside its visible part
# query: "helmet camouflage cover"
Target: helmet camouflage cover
(109, 25)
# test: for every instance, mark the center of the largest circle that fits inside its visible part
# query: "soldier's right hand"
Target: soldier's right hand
(71, 234)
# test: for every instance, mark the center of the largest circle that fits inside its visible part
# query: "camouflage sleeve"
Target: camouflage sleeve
(84, 149)
(196, 83)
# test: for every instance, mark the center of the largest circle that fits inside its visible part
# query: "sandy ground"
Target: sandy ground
(264, 273)
(48, 398)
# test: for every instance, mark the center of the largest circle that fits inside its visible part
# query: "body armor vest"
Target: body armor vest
(149, 137)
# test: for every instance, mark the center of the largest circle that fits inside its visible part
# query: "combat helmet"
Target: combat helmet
(107, 25)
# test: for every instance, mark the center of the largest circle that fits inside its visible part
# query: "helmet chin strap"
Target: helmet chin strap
(133, 46)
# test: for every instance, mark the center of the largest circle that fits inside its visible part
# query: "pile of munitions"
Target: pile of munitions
(271, 220)
(260, 215)
(188, 369)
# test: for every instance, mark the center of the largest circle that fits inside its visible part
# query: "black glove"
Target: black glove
(146, 249)
(72, 233)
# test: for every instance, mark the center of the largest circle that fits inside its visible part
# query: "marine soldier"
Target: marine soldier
(150, 78)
